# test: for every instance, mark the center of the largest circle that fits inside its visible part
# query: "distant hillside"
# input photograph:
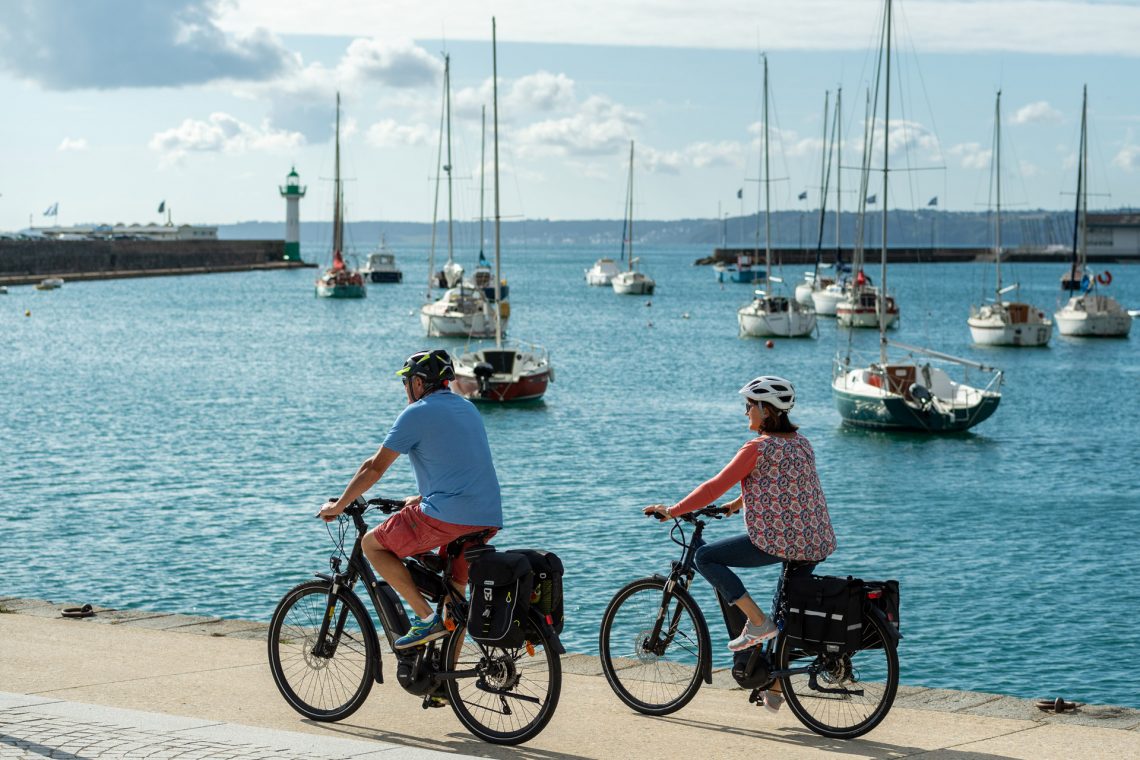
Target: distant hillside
(789, 228)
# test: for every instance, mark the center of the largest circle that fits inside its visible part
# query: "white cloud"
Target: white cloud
(221, 133)
(1028, 169)
(387, 134)
(72, 143)
(661, 162)
(599, 127)
(972, 155)
(1128, 158)
(394, 63)
(1037, 113)
(541, 91)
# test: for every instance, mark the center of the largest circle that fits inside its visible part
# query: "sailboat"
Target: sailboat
(1006, 323)
(907, 394)
(339, 280)
(1088, 313)
(631, 282)
(820, 292)
(773, 314)
(501, 373)
(483, 277)
(463, 310)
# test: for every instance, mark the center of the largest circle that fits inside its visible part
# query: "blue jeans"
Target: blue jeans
(714, 560)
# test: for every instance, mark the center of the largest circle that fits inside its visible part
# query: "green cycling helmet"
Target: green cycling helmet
(433, 366)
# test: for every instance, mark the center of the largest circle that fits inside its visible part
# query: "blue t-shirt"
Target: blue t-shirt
(443, 436)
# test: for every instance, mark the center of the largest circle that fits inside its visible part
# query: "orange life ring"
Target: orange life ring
(1104, 278)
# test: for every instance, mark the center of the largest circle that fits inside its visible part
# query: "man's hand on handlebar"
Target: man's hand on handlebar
(660, 511)
(411, 501)
(329, 510)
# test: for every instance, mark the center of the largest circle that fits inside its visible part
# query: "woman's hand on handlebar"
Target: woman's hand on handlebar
(735, 505)
(329, 510)
(660, 511)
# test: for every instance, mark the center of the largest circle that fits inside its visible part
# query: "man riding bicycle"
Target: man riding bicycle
(443, 435)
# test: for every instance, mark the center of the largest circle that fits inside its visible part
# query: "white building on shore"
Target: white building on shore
(1115, 234)
(129, 232)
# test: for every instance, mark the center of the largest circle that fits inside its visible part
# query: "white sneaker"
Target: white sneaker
(753, 635)
(772, 701)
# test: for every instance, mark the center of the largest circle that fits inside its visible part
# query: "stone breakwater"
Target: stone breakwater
(25, 262)
(965, 703)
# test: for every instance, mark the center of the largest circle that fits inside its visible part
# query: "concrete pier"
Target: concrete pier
(201, 685)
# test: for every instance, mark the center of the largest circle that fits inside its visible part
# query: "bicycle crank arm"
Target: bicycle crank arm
(453, 675)
(504, 693)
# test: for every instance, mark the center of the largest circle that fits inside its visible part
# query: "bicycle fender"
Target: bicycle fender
(894, 632)
(539, 621)
(702, 625)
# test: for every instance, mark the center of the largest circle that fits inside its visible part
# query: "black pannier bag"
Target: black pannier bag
(885, 596)
(500, 598)
(546, 594)
(824, 614)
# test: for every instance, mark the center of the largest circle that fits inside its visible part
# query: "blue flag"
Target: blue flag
(162, 207)
(933, 201)
(802, 196)
(872, 198)
(740, 193)
(52, 210)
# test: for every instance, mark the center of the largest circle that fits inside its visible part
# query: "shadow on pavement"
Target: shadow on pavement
(458, 742)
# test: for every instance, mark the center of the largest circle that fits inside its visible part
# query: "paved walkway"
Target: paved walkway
(129, 684)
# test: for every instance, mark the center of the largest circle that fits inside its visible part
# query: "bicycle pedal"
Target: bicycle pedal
(755, 699)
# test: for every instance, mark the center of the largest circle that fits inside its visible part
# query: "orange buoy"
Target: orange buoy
(770, 344)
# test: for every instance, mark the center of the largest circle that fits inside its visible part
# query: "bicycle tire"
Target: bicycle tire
(321, 688)
(514, 670)
(877, 660)
(634, 674)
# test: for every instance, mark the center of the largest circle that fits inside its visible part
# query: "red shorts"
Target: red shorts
(410, 532)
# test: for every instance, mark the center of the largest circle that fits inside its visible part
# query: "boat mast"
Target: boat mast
(864, 185)
(836, 134)
(882, 299)
(338, 199)
(823, 173)
(483, 167)
(495, 102)
(1077, 236)
(629, 211)
(435, 207)
(767, 190)
(1084, 197)
(997, 162)
(447, 166)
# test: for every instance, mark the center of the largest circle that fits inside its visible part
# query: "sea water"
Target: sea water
(166, 443)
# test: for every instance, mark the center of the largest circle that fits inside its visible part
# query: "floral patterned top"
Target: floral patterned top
(784, 507)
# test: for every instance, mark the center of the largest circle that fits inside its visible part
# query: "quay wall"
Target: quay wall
(908, 255)
(28, 261)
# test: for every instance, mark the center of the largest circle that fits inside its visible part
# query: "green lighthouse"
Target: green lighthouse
(293, 191)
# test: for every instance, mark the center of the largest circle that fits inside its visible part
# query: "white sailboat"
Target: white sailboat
(631, 282)
(603, 272)
(821, 292)
(1088, 314)
(773, 314)
(502, 372)
(462, 311)
(911, 394)
(1006, 323)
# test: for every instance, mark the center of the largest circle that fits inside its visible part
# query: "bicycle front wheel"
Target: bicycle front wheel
(852, 692)
(517, 689)
(323, 680)
(654, 674)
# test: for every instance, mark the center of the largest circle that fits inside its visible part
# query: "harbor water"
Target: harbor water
(166, 443)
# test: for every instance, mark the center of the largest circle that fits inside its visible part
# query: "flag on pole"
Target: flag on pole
(933, 201)
(872, 198)
(52, 210)
(802, 196)
(162, 207)
(740, 193)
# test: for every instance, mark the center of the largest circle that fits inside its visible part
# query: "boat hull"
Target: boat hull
(633, 286)
(1020, 335)
(866, 406)
(385, 277)
(340, 291)
(757, 323)
(1093, 316)
(524, 388)
(826, 301)
(804, 294)
(457, 326)
(863, 317)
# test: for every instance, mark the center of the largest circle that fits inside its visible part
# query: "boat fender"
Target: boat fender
(1104, 278)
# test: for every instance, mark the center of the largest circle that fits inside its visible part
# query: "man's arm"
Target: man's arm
(367, 476)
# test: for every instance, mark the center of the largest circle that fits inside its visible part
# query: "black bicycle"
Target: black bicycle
(656, 650)
(325, 653)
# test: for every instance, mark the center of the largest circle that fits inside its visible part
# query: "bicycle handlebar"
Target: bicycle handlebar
(712, 510)
(360, 506)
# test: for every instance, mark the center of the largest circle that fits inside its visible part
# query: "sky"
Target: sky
(114, 106)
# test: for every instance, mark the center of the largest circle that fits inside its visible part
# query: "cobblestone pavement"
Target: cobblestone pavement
(36, 728)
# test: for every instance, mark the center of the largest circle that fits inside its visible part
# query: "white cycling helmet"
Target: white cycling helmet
(773, 390)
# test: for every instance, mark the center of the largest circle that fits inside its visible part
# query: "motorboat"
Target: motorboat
(602, 273)
(339, 280)
(49, 283)
(380, 266)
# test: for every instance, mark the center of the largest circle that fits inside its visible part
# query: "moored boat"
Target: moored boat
(631, 282)
(339, 280)
(602, 273)
(49, 283)
(380, 266)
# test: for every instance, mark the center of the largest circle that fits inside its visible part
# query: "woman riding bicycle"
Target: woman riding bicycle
(785, 511)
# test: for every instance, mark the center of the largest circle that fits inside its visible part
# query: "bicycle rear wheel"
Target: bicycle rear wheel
(653, 677)
(323, 680)
(853, 692)
(517, 689)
